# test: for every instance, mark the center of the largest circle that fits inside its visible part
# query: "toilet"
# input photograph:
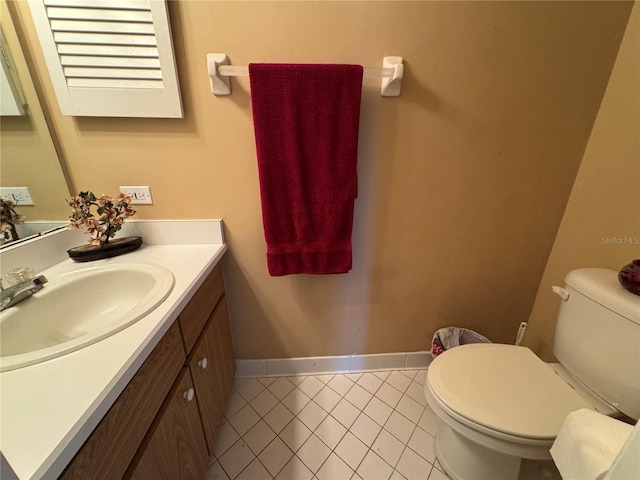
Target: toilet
(501, 403)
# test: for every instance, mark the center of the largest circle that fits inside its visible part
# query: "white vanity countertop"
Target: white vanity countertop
(49, 409)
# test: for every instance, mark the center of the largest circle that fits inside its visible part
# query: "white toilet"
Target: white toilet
(501, 403)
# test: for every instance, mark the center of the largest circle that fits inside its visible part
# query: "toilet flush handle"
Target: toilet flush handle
(562, 293)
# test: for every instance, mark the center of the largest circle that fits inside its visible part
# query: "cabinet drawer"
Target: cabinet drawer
(114, 442)
(198, 310)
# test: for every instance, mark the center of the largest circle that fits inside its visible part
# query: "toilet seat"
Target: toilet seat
(502, 390)
(481, 433)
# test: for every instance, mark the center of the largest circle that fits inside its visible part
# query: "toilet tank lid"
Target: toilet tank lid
(602, 286)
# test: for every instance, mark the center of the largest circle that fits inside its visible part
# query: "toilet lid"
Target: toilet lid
(503, 387)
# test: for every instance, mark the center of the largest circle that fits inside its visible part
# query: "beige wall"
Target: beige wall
(463, 179)
(601, 225)
(27, 154)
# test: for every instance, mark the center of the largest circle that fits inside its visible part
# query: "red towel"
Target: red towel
(306, 120)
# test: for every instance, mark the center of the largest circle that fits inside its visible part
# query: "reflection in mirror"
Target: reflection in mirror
(12, 102)
(28, 155)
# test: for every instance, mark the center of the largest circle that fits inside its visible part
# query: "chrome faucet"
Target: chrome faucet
(16, 293)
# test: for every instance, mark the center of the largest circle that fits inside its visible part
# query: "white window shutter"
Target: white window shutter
(109, 58)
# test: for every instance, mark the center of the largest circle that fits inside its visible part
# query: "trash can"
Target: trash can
(450, 337)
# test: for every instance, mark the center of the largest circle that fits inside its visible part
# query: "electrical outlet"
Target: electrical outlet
(139, 194)
(18, 195)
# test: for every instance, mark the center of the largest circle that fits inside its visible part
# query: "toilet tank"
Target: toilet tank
(598, 337)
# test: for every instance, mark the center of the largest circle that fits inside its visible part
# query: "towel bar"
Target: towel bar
(220, 73)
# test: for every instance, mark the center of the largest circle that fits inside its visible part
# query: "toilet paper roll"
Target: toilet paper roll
(587, 444)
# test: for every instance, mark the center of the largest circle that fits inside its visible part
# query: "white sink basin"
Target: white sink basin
(78, 308)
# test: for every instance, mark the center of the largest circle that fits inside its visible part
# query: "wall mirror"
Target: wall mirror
(27, 151)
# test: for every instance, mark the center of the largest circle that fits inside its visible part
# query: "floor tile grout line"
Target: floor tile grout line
(255, 458)
(327, 384)
(261, 418)
(312, 398)
(285, 464)
(394, 409)
(332, 450)
(328, 413)
(288, 376)
(295, 454)
(406, 445)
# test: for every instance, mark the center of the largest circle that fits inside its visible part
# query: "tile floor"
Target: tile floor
(369, 426)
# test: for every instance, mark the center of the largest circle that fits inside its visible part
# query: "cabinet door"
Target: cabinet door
(175, 446)
(196, 313)
(225, 364)
(225, 344)
(113, 444)
(212, 367)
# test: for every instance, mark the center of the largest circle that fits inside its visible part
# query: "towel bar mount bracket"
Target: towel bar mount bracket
(220, 84)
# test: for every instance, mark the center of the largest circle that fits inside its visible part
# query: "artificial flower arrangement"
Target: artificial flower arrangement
(102, 226)
(111, 215)
(8, 220)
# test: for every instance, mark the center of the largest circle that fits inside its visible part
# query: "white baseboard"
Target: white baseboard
(275, 367)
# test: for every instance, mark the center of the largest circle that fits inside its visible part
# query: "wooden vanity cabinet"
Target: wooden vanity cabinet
(164, 423)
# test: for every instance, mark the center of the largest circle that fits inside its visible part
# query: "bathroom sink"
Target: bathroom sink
(78, 308)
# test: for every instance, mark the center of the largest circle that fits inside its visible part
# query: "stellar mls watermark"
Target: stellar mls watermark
(630, 240)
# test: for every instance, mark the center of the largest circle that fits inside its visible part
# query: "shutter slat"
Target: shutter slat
(100, 52)
(88, 72)
(101, 27)
(119, 4)
(113, 83)
(122, 62)
(104, 39)
(63, 13)
(108, 50)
